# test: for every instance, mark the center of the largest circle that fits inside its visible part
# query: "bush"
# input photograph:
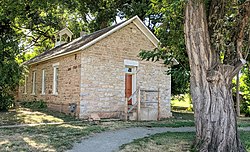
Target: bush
(245, 108)
(36, 104)
(6, 101)
(247, 112)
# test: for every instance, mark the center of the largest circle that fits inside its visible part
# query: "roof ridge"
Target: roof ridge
(59, 49)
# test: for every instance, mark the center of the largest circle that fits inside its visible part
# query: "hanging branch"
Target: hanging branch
(239, 42)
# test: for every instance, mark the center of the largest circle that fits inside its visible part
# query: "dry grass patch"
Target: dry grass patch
(45, 137)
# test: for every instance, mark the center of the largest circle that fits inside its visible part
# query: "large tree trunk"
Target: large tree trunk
(215, 118)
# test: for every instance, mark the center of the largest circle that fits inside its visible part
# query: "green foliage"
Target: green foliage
(229, 31)
(182, 102)
(27, 28)
(6, 101)
(245, 90)
(40, 104)
(10, 71)
(247, 111)
(171, 35)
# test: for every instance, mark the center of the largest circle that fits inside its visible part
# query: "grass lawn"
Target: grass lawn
(31, 116)
(170, 142)
(45, 137)
(61, 137)
(181, 102)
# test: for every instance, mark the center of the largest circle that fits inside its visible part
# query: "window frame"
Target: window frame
(25, 84)
(33, 83)
(55, 78)
(43, 82)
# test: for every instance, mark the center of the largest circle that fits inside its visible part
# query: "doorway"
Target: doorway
(128, 87)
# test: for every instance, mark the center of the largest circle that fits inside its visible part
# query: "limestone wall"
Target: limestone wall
(94, 78)
(68, 83)
(103, 76)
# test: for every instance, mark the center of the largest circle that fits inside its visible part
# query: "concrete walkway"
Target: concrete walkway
(111, 140)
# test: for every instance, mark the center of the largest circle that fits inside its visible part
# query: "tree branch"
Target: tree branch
(237, 67)
(243, 23)
(240, 38)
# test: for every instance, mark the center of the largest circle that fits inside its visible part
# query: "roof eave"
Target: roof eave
(136, 20)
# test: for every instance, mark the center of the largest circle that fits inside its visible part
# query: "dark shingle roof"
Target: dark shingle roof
(73, 45)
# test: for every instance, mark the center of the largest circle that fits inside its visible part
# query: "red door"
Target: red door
(128, 87)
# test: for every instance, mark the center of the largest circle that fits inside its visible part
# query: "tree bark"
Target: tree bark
(211, 85)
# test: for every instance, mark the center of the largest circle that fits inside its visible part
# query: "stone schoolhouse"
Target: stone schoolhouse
(100, 74)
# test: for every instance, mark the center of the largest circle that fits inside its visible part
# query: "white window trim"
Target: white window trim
(25, 84)
(55, 64)
(55, 85)
(33, 83)
(131, 63)
(43, 82)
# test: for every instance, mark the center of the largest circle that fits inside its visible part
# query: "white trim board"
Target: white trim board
(131, 63)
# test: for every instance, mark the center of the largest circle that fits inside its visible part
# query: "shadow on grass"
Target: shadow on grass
(31, 116)
(46, 137)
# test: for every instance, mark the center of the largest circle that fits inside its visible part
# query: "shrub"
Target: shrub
(36, 104)
(245, 108)
(247, 112)
(6, 101)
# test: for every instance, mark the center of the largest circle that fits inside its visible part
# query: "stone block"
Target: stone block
(94, 117)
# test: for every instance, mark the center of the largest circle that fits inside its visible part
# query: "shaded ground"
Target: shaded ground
(31, 116)
(45, 137)
(61, 137)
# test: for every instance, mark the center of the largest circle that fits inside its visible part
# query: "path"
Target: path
(111, 140)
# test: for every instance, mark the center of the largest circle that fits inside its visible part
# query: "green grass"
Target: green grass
(31, 116)
(61, 137)
(244, 121)
(45, 137)
(181, 102)
(170, 142)
(179, 119)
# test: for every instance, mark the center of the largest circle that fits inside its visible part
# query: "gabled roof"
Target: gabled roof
(65, 31)
(88, 40)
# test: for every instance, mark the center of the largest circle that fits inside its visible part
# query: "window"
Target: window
(34, 82)
(25, 84)
(131, 66)
(55, 79)
(128, 69)
(43, 81)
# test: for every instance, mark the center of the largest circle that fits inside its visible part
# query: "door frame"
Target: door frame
(134, 67)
